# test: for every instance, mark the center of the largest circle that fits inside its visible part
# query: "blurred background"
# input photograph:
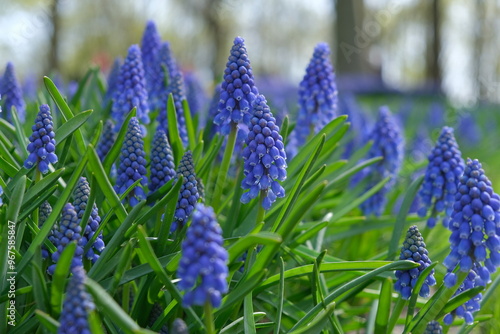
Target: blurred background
(435, 46)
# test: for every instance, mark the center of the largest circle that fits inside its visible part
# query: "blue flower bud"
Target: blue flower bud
(11, 93)
(162, 165)
(150, 44)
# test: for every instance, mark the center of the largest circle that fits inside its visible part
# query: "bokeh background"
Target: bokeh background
(406, 45)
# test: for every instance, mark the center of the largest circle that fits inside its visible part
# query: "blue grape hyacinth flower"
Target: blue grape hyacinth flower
(388, 144)
(12, 95)
(150, 44)
(475, 237)
(438, 190)
(132, 165)
(264, 156)
(44, 212)
(112, 79)
(80, 199)
(77, 305)
(130, 89)
(188, 195)
(414, 249)
(176, 88)
(165, 69)
(317, 97)
(107, 140)
(238, 89)
(68, 230)
(162, 164)
(42, 144)
(195, 94)
(433, 327)
(203, 265)
(1, 193)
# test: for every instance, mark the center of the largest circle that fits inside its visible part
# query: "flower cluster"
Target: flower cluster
(237, 90)
(165, 69)
(388, 144)
(150, 44)
(107, 140)
(42, 144)
(67, 231)
(433, 327)
(477, 276)
(195, 94)
(441, 178)
(188, 195)
(475, 227)
(11, 93)
(130, 89)
(81, 197)
(176, 87)
(162, 161)
(203, 265)
(264, 156)
(317, 97)
(113, 79)
(44, 211)
(132, 165)
(414, 249)
(77, 305)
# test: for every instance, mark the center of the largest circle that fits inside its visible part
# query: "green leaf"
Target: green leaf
(191, 131)
(81, 86)
(401, 218)
(114, 151)
(318, 323)
(47, 321)
(125, 260)
(39, 285)
(281, 297)
(22, 139)
(173, 130)
(72, 125)
(416, 290)
(244, 243)
(111, 309)
(248, 321)
(59, 278)
(460, 300)
(235, 326)
(40, 187)
(384, 306)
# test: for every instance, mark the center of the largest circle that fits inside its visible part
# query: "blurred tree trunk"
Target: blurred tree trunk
(352, 42)
(211, 14)
(53, 64)
(479, 50)
(434, 74)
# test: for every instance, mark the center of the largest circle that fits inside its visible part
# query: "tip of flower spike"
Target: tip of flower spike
(384, 111)
(323, 47)
(134, 50)
(44, 108)
(239, 40)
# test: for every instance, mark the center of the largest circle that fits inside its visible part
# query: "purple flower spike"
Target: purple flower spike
(203, 265)
(441, 178)
(45, 211)
(130, 89)
(77, 305)
(176, 87)
(237, 90)
(433, 327)
(475, 237)
(195, 94)
(150, 44)
(113, 79)
(81, 196)
(107, 140)
(264, 156)
(188, 195)
(414, 249)
(165, 69)
(67, 231)
(42, 144)
(162, 161)
(317, 97)
(132, 165)
(11, 93)
(388, 144)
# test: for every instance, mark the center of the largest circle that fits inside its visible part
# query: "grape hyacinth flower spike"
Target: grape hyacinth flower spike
(112, 79)
(475, 237)
(237, 90)
(162, 165)
(81, 197)
(188, 195)
(433, 327)
(12, 95)
(165, 69)
(42, 144)
(132, 165)
(441, 179)
(388, 144)
(203, 260)
(130, 89)
(176, 87)
(317, 97)
(264, 156)
(414, 249)
(67, 231)
(44, 211)
(150, 44)
(77, 305)
(107, 140)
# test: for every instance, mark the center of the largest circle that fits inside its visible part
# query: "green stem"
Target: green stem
(235, 206)
(36, 213)
(261, 212)
(396, 312)
(209, 318)
(224, 168)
